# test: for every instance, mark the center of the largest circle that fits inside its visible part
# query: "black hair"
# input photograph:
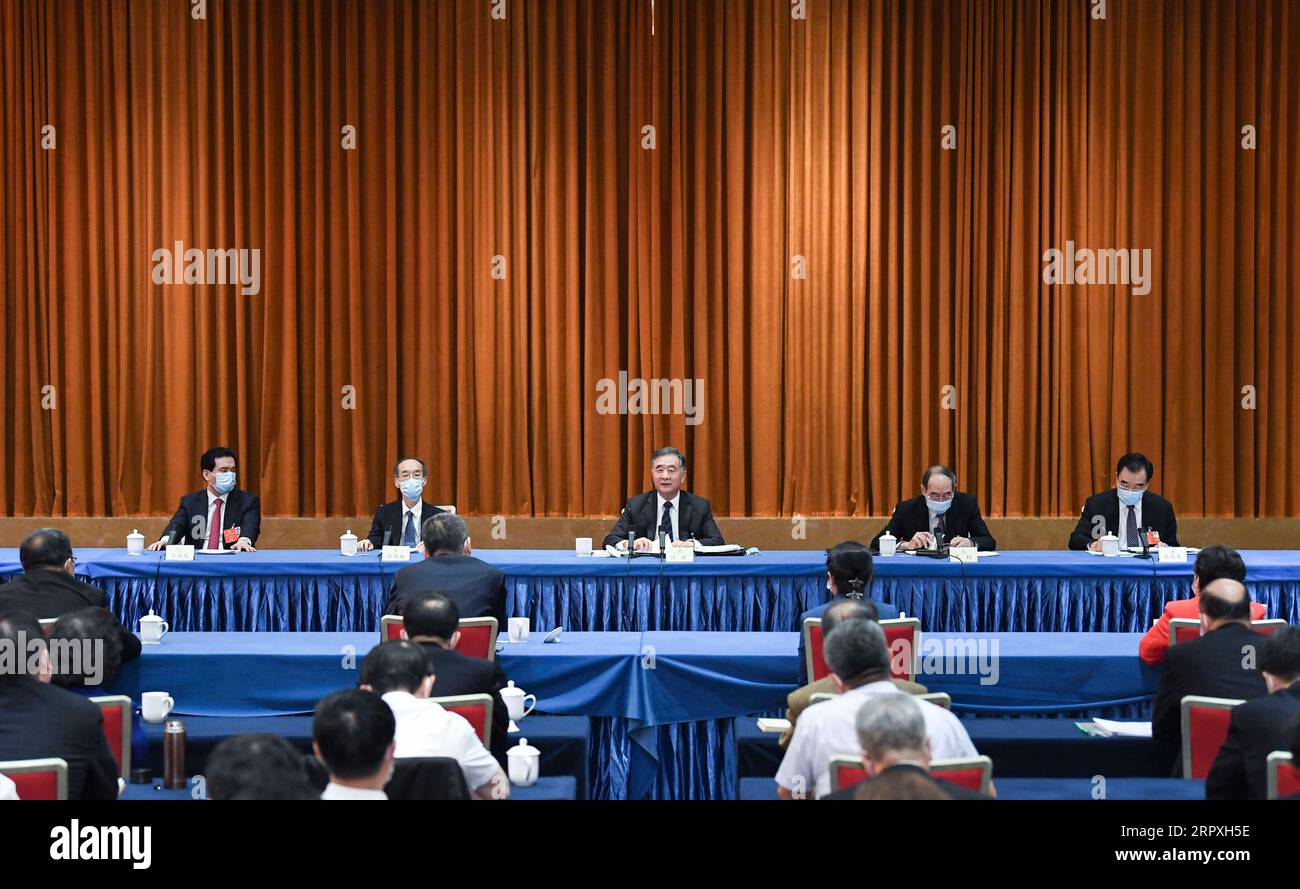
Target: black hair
(1279, 654)
(430, 614)
(395, 665)
(208, 459)
(257, 766)
(1135, 462)
(353, 730)
(939, 469)
(1217, 607)
(849, 563)
(45, 548)
(1217, 562)
(94, 624)
(19, 632)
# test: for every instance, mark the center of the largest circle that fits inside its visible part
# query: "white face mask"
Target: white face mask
(411, 488)
(938, 507)
(223, 482)
(1129, 498)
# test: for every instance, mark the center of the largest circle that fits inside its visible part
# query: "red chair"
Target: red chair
(477, 709)
(972, 772)
(902, 633)
(1205, 726)
(116, 710)
(938, 698)
(846, 771)
(38, 778)
(390, 628)
(47, 624)
(1283, 775)
(1185, 629)
(478, 635)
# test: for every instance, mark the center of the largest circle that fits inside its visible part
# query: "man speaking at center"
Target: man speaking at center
(679, 515)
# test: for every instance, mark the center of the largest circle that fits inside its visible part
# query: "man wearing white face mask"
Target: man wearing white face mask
(219, 517)
(1126, 509)
(398, 523)
(941, 511)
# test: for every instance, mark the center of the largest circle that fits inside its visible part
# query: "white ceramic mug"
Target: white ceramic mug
(348, 543)
(1110, 545)
(524, 763)
(135, 543)
(155, 706)
(153, 628)
(888, 544)
(517, 629)
(516, 699)
(582, 546)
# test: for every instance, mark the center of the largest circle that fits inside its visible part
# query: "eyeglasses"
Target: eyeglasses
(941, 498)
(403, 476)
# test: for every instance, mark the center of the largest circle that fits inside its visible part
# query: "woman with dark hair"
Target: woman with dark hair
(848, 576)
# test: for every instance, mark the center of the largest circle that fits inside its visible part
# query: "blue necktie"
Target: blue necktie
(1131, 529)
(408, 536)
(666, 526)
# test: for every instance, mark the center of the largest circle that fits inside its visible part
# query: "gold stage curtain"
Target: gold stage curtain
(782, 146)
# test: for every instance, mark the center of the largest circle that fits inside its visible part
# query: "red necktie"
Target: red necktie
(214, 532)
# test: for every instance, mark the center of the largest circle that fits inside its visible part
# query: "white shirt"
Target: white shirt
(341, 791)
(426, 728)
(414, 512)
(659, 516)
(826, 730)
(8, 789)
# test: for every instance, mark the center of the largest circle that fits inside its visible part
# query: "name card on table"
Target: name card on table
(1172, 553)
(180, 552)
(679, 554)
(395, 554)
(964, 554)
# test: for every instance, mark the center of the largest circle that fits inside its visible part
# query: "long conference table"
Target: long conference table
(669, 735)
(662, 703)
(321, 590)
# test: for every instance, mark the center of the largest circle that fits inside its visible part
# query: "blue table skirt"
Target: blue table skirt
(1047, 788)
(320, 590)
(560, 787)
(662, 703)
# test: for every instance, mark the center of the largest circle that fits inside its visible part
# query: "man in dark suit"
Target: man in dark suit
(1220, 664)
(939, 510)
(39, 720)
(431, 619)
(399, 522)
(218, 517)
(1261, 725)
(49, 588)
(680, 516)
(849, 570)
(1141, 508)
(477, 588)
(891, 730)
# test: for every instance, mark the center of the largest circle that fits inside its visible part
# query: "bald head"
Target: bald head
(1224, 601)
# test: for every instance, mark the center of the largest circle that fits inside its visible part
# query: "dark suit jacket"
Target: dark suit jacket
(240, 508)
(954, 791)
(458, 674)
(414, 778)
(478, 589)
(1210, 666)
(641, 514)
(44, 593)
(389, 518)
(1258, 727)
(883, 611)
(1157, 513)
(39, 720)
(962, 519)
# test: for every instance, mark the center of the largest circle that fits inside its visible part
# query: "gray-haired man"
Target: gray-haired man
(477, 588)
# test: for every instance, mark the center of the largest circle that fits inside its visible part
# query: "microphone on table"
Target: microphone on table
(169, 537)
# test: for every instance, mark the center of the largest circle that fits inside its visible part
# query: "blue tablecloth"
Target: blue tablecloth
(1047, 788)
(662, 701)
(320, 590)
(558, 787)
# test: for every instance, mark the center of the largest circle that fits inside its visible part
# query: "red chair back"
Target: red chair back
(1183, 629)
(1268, 627)
(390, 627)
(1283, 775)
(904, 637)
(1205, 726)
(116, 710)
(478, 637)
(38, 779)
(477, 710)
(47, 624)
(846, 771)
(812, 649)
